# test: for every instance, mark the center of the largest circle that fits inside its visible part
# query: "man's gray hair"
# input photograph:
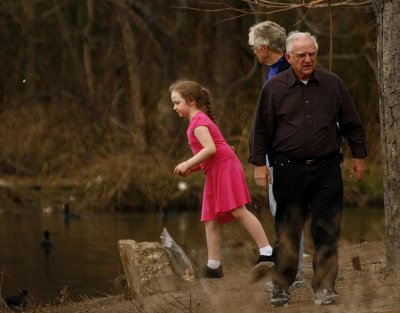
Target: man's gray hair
(268, 33)
(296, 35)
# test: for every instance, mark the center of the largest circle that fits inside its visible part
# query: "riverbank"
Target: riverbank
(362, 291)
(162, 192)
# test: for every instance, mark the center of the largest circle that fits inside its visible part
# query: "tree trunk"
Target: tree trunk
(87, 59)
(31, 75)
(388, 52)
(72, 49)
(137, 115)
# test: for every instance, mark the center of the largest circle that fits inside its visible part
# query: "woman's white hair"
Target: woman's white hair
(268, 33)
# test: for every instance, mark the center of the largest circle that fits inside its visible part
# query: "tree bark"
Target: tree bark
(137, 114)
(87, 59)
(77, 64)
(388, 53)
(31, 76)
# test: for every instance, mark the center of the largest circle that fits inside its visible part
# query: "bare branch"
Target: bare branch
(269, 7)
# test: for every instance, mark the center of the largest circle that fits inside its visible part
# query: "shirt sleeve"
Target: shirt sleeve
(350, 124)
(199, 120)
(260, 138)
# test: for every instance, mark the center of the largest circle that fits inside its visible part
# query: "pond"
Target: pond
(84, 259)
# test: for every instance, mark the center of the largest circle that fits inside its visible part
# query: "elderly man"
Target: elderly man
(298, 117)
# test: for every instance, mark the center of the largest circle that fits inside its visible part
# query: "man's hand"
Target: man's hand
(357, 169)
(262, 176)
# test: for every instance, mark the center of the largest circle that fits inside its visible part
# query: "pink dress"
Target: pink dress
(225, 186)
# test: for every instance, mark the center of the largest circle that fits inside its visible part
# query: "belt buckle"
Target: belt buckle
(309, 162)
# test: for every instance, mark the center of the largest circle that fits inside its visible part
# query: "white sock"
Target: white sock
(267, 250)
(214, 264)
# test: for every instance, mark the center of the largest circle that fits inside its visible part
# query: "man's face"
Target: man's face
(303, 57)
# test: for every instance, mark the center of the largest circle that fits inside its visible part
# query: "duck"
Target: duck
(46, 243)
(68, 215)
(17, 300)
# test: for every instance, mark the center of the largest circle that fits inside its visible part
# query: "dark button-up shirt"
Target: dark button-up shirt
(304, 120)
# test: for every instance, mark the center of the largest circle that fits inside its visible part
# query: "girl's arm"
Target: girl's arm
(193, 169)
(204, 137)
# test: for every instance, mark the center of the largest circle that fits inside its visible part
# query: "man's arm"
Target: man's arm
(350, 124)
(352, 129)
(260, 132)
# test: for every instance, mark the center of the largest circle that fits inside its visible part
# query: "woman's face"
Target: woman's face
(263, 54)
(181, 107)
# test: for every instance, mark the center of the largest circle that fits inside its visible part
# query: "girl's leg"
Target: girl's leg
(213, 237)
(252, 225)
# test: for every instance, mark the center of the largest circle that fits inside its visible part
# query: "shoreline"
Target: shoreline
(362, 291)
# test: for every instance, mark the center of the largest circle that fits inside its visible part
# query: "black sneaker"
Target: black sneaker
(265, 258)
(325, 296)
(207, 272)
(279, 296)
(263, 266)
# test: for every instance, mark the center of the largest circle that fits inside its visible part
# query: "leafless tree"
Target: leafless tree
(388, 50)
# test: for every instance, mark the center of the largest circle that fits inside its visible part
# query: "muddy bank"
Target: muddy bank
(362, 291)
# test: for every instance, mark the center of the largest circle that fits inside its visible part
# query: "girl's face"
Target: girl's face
(181, 107)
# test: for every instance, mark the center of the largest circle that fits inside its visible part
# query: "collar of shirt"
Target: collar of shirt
(273, 70)
(293, 80)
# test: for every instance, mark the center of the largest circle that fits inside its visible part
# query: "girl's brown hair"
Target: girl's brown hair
(191, 90)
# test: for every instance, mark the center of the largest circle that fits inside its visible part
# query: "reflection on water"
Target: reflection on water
(82, 253)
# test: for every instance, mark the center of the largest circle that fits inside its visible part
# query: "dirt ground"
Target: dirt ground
(361, 291)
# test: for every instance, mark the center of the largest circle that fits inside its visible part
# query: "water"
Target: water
(84, 254)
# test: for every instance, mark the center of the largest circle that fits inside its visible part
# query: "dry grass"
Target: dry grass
(70, 151)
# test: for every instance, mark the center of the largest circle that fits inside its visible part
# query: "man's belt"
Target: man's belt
(316, 160)
(308, 161)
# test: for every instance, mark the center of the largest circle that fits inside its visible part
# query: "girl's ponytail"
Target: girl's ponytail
(193, 90)
(207, 103)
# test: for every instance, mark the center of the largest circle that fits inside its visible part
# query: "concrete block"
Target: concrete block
(147, 268)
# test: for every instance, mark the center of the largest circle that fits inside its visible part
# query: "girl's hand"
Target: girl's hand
(181, 169)
(193, 164)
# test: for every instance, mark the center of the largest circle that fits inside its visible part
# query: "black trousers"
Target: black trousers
(298, 189)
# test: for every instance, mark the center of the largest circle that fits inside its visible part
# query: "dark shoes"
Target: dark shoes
(262, 268)
(207, 272)
(279, 296)
(325, 296)
(265, 258)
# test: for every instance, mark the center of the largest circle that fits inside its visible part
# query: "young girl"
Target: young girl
(225, 191)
